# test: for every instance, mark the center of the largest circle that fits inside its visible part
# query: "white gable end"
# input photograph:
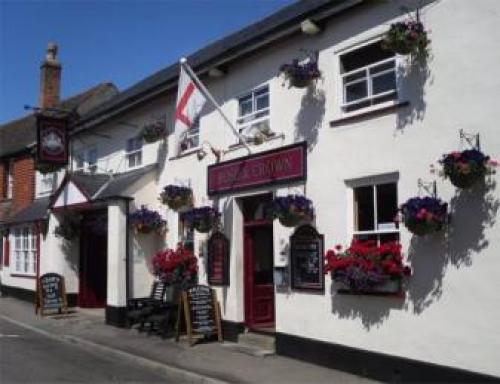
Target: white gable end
(70, 195)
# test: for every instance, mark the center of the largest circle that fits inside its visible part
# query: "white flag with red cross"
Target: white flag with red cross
(190, 101)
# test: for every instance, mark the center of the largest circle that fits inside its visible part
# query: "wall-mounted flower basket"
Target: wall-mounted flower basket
(68, 228)
(48, 168)
(367, 268)
(300, 75)
(177, 197)
(406, 37)
(154, 131)
(146, 221)
(202, 219)
(466, 168)
(177, 267)
(424, 215)
(291, 210)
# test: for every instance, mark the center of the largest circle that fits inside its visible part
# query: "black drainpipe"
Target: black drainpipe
(127, 252)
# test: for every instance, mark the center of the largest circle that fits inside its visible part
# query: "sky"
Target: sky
(121, 41)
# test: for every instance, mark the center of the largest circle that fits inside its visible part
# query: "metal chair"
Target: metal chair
(140, 308)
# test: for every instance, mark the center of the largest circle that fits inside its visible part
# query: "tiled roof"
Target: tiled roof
(37, 210)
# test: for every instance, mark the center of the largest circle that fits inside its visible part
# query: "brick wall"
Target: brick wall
(24, 183)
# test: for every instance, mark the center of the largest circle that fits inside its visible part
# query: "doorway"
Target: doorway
(93, 260)
(258, 262)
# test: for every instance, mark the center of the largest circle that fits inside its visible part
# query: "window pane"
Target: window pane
(25, 261)
(355, 76)
(92, 156)
(363, 206)
(131, 161)
(364, 56)
(262, 101)
(386, 237)
(245, 105)
(80, 160)
(356, 91)
(387, 205)
(383, 83)
(382, 67)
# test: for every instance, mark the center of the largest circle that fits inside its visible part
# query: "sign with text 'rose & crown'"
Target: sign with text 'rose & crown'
(278, 166)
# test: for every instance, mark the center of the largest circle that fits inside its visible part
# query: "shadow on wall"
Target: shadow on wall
(413, 75)
(472, 212)
(310, 116)
(227, 225)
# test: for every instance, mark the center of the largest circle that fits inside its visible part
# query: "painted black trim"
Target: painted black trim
(231, 330)
(29, 296)
(374, 365)
(303, 177)
(116, 316)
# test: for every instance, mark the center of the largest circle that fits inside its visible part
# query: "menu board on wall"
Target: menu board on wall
(218, 259)
(51, 293)
(199, 313)
(306, 259)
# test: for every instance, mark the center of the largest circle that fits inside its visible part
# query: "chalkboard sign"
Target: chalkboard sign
(218, 259)
(199, 309)
(51, 293)
(306, 259)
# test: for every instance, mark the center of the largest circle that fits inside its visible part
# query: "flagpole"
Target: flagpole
(186, 66)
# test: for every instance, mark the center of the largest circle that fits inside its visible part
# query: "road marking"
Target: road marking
(8, 336)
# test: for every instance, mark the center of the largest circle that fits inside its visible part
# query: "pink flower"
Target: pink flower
(493, 163)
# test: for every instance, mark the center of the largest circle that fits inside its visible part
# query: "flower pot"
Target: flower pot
(423, 228)
(178, 202)
(388, 287)
(299, 82)
(464, 181)
(292, 220)
(150, 138)
(203, 226)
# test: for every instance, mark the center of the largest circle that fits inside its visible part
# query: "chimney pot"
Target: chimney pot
(50, 78)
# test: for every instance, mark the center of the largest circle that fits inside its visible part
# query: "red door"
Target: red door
(93, 262)
(259, 284)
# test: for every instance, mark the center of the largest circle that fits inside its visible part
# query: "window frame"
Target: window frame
(43, 181)
(137, 153)
(188, 136)
(241, 126)
(84, 157)
(185, 234)
(9, 192)
(24, 250)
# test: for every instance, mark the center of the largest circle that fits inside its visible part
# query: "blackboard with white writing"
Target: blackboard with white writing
(306, 259)
(51, 293)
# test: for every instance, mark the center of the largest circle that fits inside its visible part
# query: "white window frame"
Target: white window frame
(47, 183)
(188, 136)
(373, 181)
(368, 78)
(82, 160)
(10, 180)
(136, 153)
(244, 122)
(24, 250)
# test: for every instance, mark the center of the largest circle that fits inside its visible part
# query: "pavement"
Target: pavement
(211, 363)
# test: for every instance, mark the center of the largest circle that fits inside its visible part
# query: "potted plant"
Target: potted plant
(176, 197)
(144, 220)
(177, 268)
(406, 37)
(424, 215)
(300, 75)
(291, 210)
(365, 267)
(48, 168)
(154, 131)
(466, 168)
(202, 219)
(68, 228)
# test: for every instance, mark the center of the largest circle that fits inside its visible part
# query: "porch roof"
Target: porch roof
(37, 210)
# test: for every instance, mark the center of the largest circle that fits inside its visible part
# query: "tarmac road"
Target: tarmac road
(29, 357)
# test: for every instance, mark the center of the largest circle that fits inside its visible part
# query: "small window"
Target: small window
(253, 112)
(186, 234)
(191, 138)
(375, 209)
(24, 250)
(86, 160)
(47, 183)
(368, 77)
(134, 152)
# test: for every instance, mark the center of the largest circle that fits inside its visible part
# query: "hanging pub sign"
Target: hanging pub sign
(278, 166)
(306, 259)
(218, 259)
(52, 140)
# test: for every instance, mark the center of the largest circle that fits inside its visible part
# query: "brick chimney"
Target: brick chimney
(50, 78)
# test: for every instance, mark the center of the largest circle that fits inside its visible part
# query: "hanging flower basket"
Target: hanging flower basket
(466, 168)
(424, 215)
(366, 267)
(68, 228)
(154, 131)
(291, 210)
(177, 197)
(407, 37)
(48, 168)
(177, 267)
(202, 219)
(146, 221)
(300, 75)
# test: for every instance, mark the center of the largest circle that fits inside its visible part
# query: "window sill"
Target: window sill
(23, 276)
(271, 137)
(186, 153)
(368, 113)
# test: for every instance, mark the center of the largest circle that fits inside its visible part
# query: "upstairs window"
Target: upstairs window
(253, 112)
(46, 183)
(134, 152)
(191, 138)
(375, 209)
(86, 160)
(368, 77)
